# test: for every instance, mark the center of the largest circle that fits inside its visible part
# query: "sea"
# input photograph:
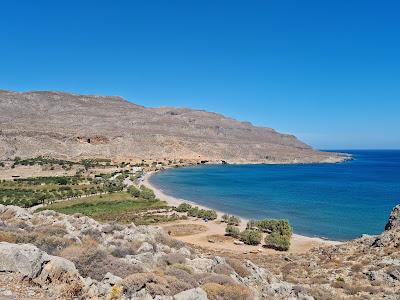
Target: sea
(333, 201)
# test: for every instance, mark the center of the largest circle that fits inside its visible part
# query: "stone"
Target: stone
(23, 258)
(145, 247)
(184, 251)
(193, 294)
(394, 218)
(111, 279)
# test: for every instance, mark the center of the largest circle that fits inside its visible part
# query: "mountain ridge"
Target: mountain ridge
(70, 125)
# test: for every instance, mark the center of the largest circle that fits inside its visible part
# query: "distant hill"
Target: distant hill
(75, 126)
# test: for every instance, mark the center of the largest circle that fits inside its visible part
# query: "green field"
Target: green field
(117, 207)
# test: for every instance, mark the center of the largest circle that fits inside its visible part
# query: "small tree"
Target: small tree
(183, 207)
(147, 193)
(233, 220)
(134, 191)
(251, 237)
(277, 241)
(225, 218)
(193, 212)
(232, 231)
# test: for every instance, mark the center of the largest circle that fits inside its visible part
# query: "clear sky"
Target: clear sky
(326, 71)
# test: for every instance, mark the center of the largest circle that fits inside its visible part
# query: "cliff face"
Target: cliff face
(72, 126)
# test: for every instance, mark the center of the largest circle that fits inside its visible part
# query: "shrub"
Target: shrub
(209, 214)
(277, 241)
(238, 267)
(147, 193)
(174, 258)
(183, 207)
(233, 220)
(281, 226)
(8, 237)
(225, 218)
(193, 212)
(224, 269)
(250, 237)
(232, 231)
(217, 291)
(94, 262)
(134, 191)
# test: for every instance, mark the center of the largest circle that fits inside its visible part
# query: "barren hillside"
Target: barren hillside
(73, 126)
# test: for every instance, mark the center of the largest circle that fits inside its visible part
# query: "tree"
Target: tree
(277, 241)
(134, 191)
(183, 207)
(251, 237)
(225, 218)
(147, 193)
(232, 231)
(233, 220)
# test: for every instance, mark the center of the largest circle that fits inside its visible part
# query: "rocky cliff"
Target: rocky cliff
(75, 126)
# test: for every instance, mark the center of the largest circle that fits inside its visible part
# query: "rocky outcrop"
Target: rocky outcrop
(75, 126)
(394, 219)
(75, 256)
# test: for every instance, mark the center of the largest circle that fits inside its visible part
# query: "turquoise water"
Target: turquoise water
(335, 201)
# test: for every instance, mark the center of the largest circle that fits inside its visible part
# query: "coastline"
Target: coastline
(297, 239)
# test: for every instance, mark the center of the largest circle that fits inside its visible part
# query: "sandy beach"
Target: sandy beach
(211, 235)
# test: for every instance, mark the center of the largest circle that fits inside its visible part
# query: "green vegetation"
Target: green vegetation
(231, 220)
(65, 164)
(191, 211)
(277, 241)
(147, 193)
(232, 231)
(27, 192)
(251, 237)
(134, 191)
(118, 207)
(183, 207)
(279, 231)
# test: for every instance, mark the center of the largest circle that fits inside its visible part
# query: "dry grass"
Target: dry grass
(184, 229)
(238, 267)
(217, 291)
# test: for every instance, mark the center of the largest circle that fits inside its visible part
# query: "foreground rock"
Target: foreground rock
(77, 256)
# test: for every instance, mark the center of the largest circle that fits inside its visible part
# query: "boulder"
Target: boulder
(59, 269)
(23, 258)
(394, 218)
(193, 294)
(145, 247)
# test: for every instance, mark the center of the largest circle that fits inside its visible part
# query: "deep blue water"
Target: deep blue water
(336, 201)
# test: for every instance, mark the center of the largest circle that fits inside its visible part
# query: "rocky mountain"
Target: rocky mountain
(48, 255)
(75, 126)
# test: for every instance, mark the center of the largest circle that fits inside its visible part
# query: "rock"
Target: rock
(395, 274)
(201, 264)
(23, 258)
(7, 293)
(111, 279)
(193, 294)
(184, 251)
(394, 218)
(145, 247)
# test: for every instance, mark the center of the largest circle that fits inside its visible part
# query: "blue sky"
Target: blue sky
(326, 71)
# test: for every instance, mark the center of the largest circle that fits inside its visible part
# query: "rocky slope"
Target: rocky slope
(54, 256)
(74, 126)
(75, 256)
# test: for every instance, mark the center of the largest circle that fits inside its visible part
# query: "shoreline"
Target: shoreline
(173, 201)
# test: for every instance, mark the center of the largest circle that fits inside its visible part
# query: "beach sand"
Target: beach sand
(212, 235)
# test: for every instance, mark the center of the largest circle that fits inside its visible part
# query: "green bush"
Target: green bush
(225, 218)
(233, 220)
(209, 214)
(251, 237)
(183, 207)
(280, 226)
(277, 241)
(134, 191)
(193, 212)
(147, 193)
(232, 231)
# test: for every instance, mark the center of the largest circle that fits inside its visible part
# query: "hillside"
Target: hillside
(66, 257)
(74, 126)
